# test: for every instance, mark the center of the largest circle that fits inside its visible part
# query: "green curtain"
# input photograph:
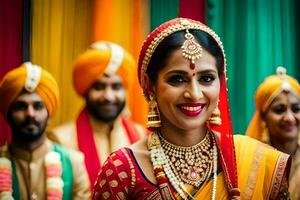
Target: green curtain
(258, 36)
(161, 11)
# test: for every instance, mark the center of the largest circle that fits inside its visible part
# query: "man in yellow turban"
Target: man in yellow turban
(277, 120)
(32, 167)
(103, 75)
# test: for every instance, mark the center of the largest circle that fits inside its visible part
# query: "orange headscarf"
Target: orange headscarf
(31, 78)
(269, 89)
(103, 58)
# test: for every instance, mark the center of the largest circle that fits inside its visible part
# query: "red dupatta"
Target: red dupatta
(87, 145)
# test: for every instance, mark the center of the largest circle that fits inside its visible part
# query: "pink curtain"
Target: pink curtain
(11, 20)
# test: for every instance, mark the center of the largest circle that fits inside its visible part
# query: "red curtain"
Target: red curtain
(11, 20)
(193, 9)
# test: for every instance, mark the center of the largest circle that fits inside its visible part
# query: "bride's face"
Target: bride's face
(186, 97)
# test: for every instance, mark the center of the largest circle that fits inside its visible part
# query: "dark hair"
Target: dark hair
(174, 42)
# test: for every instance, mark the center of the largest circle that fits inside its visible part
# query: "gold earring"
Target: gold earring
(153, 115)
(265, 134)
(215, 118)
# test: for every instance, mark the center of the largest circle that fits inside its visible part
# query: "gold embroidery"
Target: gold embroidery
(123, 175)
(113, 183)
(278, 176)
(117, 163)
(132, 170)
(102, 182)
(252, 177)
(121, 195)
(109, 172)
(106, 195)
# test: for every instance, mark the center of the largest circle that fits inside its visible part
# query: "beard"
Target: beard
(28, 131)
(105, 111)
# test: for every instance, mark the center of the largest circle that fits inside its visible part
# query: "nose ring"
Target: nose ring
(186, 94)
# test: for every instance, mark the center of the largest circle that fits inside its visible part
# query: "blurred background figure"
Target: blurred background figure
(32, 167)
(276, 120)
(103, 75)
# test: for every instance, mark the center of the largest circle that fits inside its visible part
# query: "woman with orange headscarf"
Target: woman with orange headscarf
(277, 120)
(191, 152)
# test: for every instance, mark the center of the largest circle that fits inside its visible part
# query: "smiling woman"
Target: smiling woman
(277, 120)
(186, 97)
(191, 152)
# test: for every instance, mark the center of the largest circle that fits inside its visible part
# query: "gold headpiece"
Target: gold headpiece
(191, 49)
(163, 31)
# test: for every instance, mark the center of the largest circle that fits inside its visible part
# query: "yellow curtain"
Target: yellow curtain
(60, 32)
(125, 22)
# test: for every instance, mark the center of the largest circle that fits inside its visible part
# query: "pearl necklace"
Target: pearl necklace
(53, 170)
(161, 160)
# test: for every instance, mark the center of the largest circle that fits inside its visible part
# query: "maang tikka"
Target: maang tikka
(191, 49)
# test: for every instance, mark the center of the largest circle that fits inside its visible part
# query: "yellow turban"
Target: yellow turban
(103, 58)
(33, 79)
(271, 87)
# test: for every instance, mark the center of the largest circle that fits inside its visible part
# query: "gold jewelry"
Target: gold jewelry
(153, 115)
(191, 49)
(160, 33)
(215, 118)
(193, 164)
(186, 94)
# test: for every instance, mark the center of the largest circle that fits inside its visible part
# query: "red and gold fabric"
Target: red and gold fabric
(295, 176)
(261, 172)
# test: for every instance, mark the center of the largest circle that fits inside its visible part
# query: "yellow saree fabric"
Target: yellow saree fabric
(260, 172)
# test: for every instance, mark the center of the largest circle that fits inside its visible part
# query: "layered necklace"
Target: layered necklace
(191, 165)
(53, 170)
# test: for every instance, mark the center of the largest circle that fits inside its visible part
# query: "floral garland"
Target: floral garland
(53, 171)
(163, 170)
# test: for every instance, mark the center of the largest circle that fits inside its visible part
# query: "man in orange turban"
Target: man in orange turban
(103, 75)
(33, 167)
(277, 120)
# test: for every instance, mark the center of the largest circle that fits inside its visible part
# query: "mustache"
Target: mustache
(29, 121)
(105, 102)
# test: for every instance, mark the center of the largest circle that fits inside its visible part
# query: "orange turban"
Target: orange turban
(271, 87)
(103, 58)
(33, 79)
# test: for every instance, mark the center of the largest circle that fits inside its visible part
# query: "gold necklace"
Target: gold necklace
(193, 164)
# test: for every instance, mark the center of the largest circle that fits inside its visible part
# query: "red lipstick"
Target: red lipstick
(191, 109)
